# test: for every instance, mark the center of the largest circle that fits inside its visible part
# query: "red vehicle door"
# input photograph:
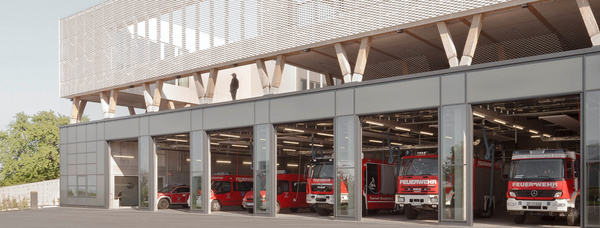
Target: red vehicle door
(180, 195)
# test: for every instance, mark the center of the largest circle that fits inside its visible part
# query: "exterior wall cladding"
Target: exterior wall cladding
(118, 43)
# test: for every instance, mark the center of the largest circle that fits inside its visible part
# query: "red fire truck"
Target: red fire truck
(229, 190)
(544, 183)
(418, 186)
(376, 194)
(291, 193)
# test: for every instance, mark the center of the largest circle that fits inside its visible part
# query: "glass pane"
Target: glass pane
(92, 191)
(144, 170)
(262, 170)
(196, 192)
(453, 155)
(72, 189)
(592, 159)
(345, 153)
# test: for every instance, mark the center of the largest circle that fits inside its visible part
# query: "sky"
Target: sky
(29, 47)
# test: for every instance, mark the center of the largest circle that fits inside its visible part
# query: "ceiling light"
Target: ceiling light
(426, 133)
(187, 159)
(247, 163)
(317, 145)
(499, 121)
(242, 146)
(535, 136)
(228, 135)
(292, 129)
(291, 142)
(518, 127)
(402, 129)
(478, 114)
(374, 123)
(375, 141)
(123, 156)
(216, 144)
(292, 165)
(225, 162)
(289, 150)
(397, 144)
(177, 140)
(547, 135)
(181, 135)
(325, 134)
(324, 124)
(534, 132)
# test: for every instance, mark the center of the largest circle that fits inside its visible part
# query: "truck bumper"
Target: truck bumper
(320, 199)
(417, 200)
(515, 206)
(247, 204)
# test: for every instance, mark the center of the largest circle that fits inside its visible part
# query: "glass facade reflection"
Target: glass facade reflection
(347, 159)
(198, 156)
(453, 161)
(591, 168)
(144, 171)
(264, 169)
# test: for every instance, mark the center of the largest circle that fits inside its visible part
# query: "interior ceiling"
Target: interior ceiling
(516, 32)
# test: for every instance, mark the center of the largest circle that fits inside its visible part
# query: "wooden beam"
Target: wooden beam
(104, 102)
(472, 39)
(158, 94)
(449, 47)
(277, 74)
(210, 85)
(263, 75)
(171, 105)
(501, 48)
(342, 58)
(361, 59)
(187, 105)
(74, 110)
(148, 100)
(590, 21)
(82, 105)
(200, 91)
(563, 41)
(329, 80)
(112, 105)
(131, 110)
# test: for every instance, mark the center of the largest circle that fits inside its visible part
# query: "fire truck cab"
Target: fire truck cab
(417, 188)
(544, 183)
(291, 193)
(376, 194)
(229, 190)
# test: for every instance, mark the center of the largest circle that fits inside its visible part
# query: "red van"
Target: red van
(291, 193)
(229, 190)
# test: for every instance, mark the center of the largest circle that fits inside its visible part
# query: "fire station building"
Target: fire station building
(254, 88)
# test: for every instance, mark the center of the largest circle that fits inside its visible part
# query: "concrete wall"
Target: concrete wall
(48, 192)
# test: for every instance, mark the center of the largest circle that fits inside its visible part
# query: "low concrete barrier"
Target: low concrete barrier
(48, 193)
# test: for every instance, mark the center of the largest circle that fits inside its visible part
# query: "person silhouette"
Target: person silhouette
(233, 86)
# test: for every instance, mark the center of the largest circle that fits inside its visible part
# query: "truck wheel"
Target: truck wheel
(410, 212)
(294, 209)
(215, 205)
(573, 215)
(278, 208)
(312, 209)
(163, 204)
(520, 219)
(250, 210)
(323, 211)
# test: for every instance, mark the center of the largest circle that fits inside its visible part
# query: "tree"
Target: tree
(29, 149)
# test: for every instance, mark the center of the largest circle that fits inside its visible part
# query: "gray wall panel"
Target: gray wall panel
(81, 133)
(144, 126)
(91, 147)
(525, 80)
(72, 148)
(122, 129)
(344, 102)
(230, 116)
(100, 190)
(592, 72)
(63, 159)
(303, 107)
(175, 122)
(101, 154)
(81, 147)
(100, 131)
(72, 134)
(197, 119)
(453, 89)
(91, 132)
(395, 96)
(64, 133)
(261, 112)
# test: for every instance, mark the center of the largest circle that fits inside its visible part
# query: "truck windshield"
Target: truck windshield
(419, 167)
(322, 170)
(537, 169)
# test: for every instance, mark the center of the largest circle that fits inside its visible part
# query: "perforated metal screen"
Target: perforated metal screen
(122, 42)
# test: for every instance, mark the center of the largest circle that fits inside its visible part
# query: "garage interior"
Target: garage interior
(537, 123)
(124, 168)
